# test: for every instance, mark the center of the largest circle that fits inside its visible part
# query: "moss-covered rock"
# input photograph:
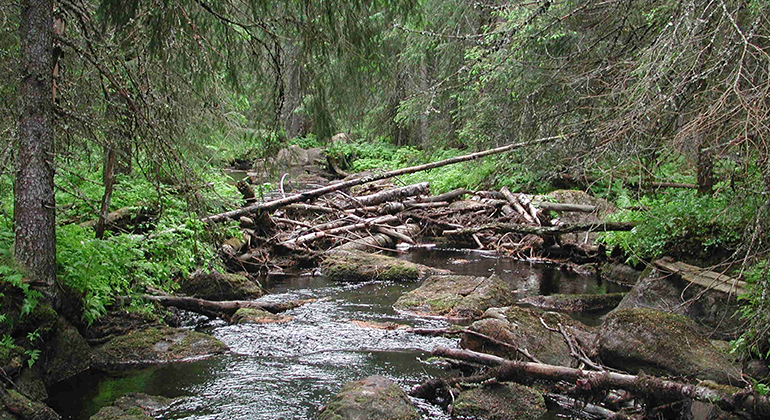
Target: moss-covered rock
(521, 327)
(133, 406)
(374, 397)
(67, 353)
(154, 346)
(25, 408)
(620, 273)
(456, 296)
(500, 402)
(258, 316)
(583, 303)
(214, 285)
(711, 311)
(361, 266)
(661, 343)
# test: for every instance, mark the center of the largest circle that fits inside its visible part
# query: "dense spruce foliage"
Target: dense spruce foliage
(152, 99)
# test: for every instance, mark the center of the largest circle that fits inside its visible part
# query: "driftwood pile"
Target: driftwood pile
(367, 213)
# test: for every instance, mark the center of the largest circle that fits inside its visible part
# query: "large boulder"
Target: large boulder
(25, 408)
(258, 316)
(153, 346)
(523, 328)
(296, 160)
(214, 285)
(582, 303)
(133, 406)
(500, 402)
(358, 265)
(712, 311)
(455, 296)
(374, 397)
(661, 343)
(68, 353)
(620, 273)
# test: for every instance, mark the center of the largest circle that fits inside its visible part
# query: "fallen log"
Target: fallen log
(215, 309)
(447, 196)
(703, 277)
(545, 230)
(725, 396)
(308, 195)
(393, 194)
(379, 241)
(517, 205)
(564, 207)
(364, 224)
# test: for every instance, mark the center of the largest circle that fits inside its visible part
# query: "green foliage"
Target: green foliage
(682, 223)
(755, 339)
(99, 270)
(308, 142)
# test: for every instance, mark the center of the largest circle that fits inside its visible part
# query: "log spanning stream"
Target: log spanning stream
(289, 370)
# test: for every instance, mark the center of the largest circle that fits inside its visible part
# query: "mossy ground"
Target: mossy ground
(500, 402)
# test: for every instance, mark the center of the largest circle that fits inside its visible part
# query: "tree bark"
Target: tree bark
(307, 195)
(34, 201)
(393, 194)
(726, 397)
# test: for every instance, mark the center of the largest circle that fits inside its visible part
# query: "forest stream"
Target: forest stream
(289, 370)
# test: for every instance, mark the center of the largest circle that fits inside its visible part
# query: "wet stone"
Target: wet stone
(582, 303)
(362, 266)
(500, 402)
(154, 346)
(133, 406)
(375, 397)
(452, 296)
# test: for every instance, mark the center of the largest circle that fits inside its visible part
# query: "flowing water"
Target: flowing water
(288, 371)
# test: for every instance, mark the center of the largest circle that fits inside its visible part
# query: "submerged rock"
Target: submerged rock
(154, 346)
(133, 406)
(258, 316)
(583, 303)
(522, 327)
(220, 286)
(360, 266)
(711, 310)
(660, 343)
(375, 397)
(500, 402)
(456, 296)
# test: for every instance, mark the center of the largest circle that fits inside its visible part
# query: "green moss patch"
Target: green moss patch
(375, 397)
(258, 316)
(153, 346)
(661, 343)
(220, 286)
(500, 402)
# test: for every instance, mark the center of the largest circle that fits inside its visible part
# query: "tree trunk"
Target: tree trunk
(545, 230)
(34, 204)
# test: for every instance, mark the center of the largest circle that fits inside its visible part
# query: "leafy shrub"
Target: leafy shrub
(756, 310)
(681, 223)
